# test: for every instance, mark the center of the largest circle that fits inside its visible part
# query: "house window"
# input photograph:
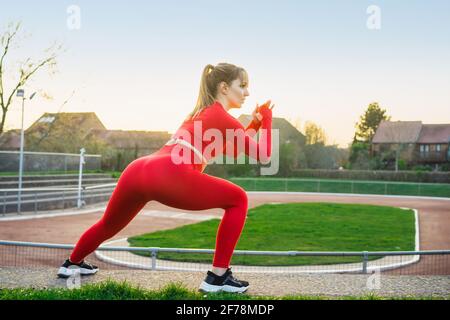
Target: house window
(438, 148)
(424, 148)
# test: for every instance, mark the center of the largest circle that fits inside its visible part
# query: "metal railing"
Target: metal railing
(46, 161)
(430, 262)
(344, 186)
(38, 195)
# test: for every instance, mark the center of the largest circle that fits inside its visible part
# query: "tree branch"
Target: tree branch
(24, 78)
(8, 40)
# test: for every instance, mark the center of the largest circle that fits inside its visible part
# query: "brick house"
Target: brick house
(414, 142)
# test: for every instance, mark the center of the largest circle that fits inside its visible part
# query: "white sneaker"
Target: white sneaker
(225, 283)
(68, 269)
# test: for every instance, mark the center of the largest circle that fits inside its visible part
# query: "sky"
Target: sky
(137, 64)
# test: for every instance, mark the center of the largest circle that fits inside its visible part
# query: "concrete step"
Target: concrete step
(52, 200)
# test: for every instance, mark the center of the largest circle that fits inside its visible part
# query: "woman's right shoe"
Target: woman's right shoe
(225, 283)
(69, 268)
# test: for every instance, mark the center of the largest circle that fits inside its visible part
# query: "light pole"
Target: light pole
(21, 93)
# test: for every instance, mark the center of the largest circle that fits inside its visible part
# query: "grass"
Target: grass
(344, 186)
(298, 227)
(112, 290)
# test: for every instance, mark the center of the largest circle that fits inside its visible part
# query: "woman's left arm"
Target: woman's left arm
(256, 123)
(259, 150)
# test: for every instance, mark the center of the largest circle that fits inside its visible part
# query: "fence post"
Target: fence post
(4, 203)
(153, 254)
(285, 184)
(318, 186)
(80, 174)
(365, 259)
(35, 202)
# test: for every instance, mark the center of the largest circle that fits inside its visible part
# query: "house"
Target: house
(10, 140)
(139, 143)
(68, 131)
(288, 133)
(413, 141)
(51, 129)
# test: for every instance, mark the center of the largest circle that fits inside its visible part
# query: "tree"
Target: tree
(27, 68)
(369, 122)
(314, 134)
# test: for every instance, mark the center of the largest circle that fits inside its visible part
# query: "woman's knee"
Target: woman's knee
(240, 197)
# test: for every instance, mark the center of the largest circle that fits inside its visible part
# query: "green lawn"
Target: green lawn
(112, 290)
(344, 186)
(297, 227)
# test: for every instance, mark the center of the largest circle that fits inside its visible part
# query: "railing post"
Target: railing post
(35, 202)
(80, 175)
(153, 254)
(4, 203)
(365, 259)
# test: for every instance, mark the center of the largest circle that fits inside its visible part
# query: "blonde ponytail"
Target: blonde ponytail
(212, 76)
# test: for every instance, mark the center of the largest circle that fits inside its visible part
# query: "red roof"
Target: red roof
(434, 133)
(411, 132)
(397, 132)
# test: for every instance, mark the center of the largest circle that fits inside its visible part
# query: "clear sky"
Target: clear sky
(137, 64)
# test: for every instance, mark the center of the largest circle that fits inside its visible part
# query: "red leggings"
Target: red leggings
(183, 186)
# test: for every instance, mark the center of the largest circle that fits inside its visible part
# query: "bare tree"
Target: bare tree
(27, 69)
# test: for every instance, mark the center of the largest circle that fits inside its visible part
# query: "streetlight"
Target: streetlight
(21, 93)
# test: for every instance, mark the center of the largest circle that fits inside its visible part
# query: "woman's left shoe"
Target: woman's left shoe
(69, 268)
(225, 283)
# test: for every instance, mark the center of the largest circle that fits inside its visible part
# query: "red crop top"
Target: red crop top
(215, 120)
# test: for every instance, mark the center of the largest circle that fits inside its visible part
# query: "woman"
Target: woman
(158, 177)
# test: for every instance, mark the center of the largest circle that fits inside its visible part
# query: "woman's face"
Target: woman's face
(236, 93)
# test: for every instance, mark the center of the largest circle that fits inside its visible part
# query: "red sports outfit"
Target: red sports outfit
(184, 186)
